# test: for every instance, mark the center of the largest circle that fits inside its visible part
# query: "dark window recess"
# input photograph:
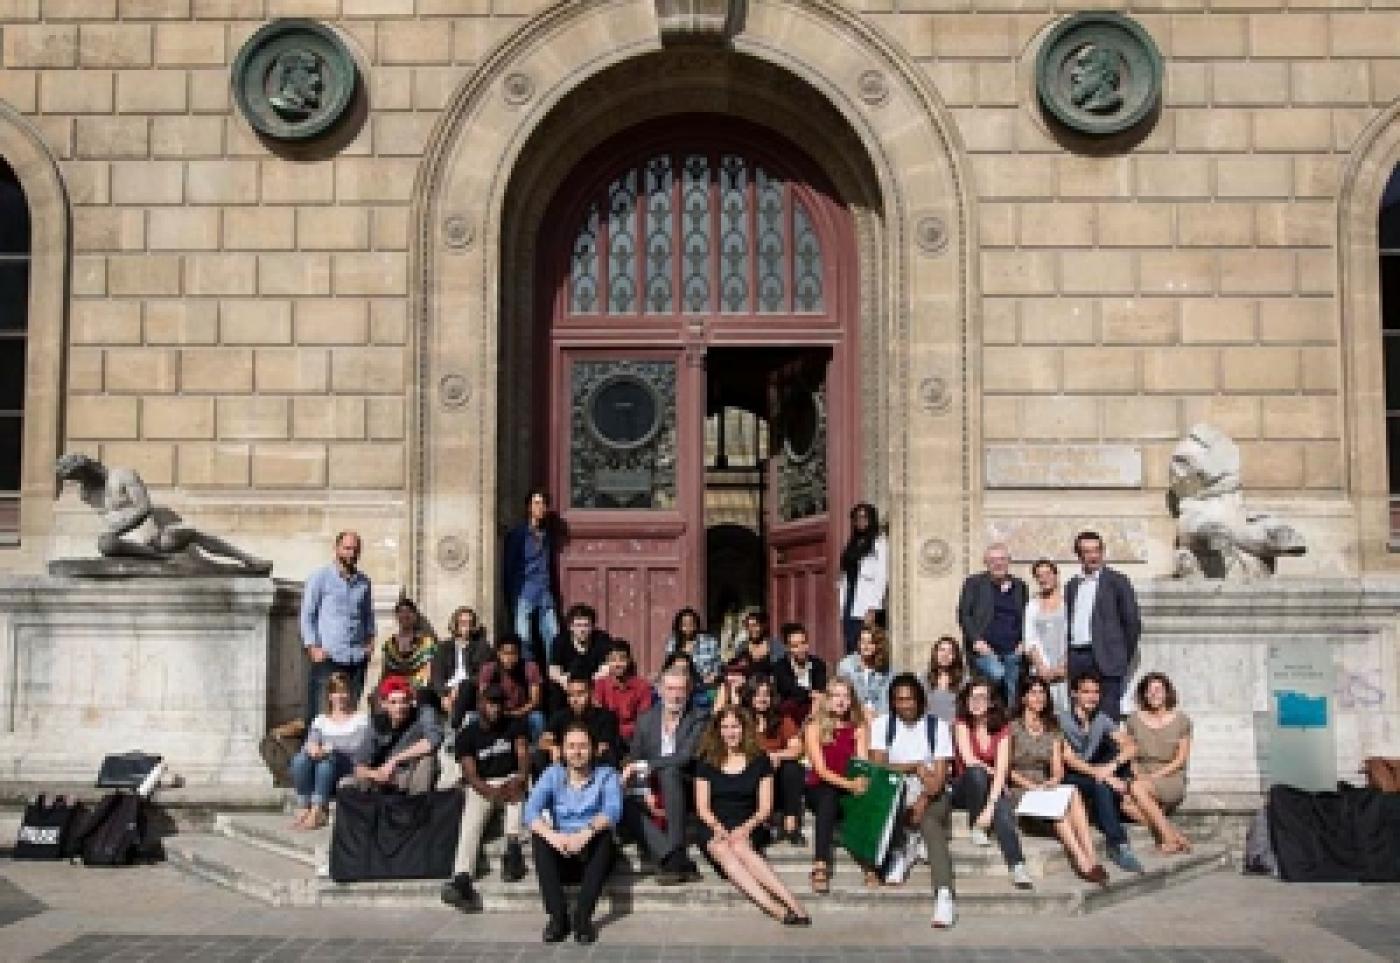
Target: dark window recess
(11, 428)
(14, 324)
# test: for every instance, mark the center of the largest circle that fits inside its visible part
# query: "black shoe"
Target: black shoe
(690, 873)
(795, 838)
(459, 892)
(556, 931)
(584, 930)
(513, 865)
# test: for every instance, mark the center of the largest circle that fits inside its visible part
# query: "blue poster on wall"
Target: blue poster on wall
(1298, 710)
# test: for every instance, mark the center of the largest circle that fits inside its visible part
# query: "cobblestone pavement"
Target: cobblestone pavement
(61, 912)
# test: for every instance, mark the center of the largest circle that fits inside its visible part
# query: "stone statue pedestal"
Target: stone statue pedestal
(194, 668)
(1213, 639)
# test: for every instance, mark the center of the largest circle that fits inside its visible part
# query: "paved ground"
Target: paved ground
(61, 912)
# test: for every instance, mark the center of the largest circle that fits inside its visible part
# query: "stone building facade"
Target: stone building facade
(291, 340)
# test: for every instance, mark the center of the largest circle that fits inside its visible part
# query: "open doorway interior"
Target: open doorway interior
(744, 387)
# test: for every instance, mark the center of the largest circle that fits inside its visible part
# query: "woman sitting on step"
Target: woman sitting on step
(833, 736)
(1037, 762)
(733, 800)
(982, 767)
(1162, 735)
(337, 740)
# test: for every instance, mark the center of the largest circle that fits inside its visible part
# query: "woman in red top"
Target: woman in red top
(622, 690)
(834, 735)
(982, 766)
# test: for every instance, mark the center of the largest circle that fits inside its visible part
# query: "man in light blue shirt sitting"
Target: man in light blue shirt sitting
(337, 623)
(571, 813)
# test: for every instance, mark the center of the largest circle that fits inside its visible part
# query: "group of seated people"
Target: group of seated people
(733, 750)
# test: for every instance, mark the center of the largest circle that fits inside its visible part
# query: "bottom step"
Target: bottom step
(281, 881)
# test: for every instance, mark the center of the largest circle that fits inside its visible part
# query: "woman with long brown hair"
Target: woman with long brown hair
(868, 667)
(946, 673)
(781, 739)
(1037, 762)
(983, 765)
(835, 734)
(733, 799)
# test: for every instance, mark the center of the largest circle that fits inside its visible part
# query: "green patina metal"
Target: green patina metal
(294, 79)
(1098, 73)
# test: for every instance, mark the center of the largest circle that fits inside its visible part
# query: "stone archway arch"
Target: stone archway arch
(24, 150)
(1373, 160)
(920, 279)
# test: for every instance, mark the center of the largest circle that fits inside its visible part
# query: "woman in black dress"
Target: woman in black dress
(734, 798)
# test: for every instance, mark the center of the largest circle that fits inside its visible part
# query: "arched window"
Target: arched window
(14, 331)
(696, 232)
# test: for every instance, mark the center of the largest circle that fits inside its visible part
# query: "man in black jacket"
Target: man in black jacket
(991, 611)
(1104, 622)
(799, 676)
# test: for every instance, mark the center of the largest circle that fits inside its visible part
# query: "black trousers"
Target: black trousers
(791, 776)
(824, 800)
(589, 869)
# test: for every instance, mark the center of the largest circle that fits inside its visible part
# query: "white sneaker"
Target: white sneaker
(1021, 877)
(979, 837)
(945, 914)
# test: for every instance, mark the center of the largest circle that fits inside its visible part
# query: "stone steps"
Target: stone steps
(257, 855)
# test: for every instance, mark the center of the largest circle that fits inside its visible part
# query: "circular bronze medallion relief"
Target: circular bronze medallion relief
(1098, 73)
(623, 412)
(294, 79)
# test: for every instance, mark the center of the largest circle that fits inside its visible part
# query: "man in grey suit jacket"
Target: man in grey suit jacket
(664, 746)
(1104, 622)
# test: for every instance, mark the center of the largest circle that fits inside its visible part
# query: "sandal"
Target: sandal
(873, 880)
(821, 879)
(793, 918)
(299, 819)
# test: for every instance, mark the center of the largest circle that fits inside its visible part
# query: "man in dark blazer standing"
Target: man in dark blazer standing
(1104, 622)
(991, 613)
(660, 762)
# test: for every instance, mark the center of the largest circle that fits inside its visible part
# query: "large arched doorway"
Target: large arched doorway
(698, 276)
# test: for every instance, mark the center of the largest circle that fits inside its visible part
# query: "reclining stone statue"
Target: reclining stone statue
(1217, 536)
(162, 544)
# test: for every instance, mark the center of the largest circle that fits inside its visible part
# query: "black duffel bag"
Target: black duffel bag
(45, 829)
(379, 835)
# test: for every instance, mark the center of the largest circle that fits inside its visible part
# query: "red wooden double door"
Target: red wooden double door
(700, 284)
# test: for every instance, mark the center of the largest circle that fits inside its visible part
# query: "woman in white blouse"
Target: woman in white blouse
(865, 572)
(1046, 631)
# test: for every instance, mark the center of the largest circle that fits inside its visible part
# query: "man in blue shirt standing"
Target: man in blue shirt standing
(337, 623)
(529, 586)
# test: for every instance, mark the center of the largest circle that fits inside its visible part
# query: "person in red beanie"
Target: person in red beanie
(404, 739)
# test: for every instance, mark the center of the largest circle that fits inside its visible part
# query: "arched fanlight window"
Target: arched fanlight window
(14, 331)
(694, 232)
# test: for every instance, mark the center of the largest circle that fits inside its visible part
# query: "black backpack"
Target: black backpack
(114, 833)
(46, 828)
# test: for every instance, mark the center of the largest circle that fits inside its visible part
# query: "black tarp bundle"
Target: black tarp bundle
(1348, 836)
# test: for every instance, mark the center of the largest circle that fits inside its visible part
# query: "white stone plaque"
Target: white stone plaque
(1064, 466)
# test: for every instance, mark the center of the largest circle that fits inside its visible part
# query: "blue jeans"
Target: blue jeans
(315, 779)
(1103, 805)
(1003, 669)
(319, 673)
(548, 623)
(535, 722)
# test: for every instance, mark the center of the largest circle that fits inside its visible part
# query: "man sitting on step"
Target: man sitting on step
(494, 753)
(661, 761)
(404, 740)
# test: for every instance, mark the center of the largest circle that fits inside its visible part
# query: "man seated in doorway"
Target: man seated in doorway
(759, 647)
(799, 676)
(1097, 754)
(494, 754)
(580, 707)
(404, 740)
(584, 650)
(660, 762)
